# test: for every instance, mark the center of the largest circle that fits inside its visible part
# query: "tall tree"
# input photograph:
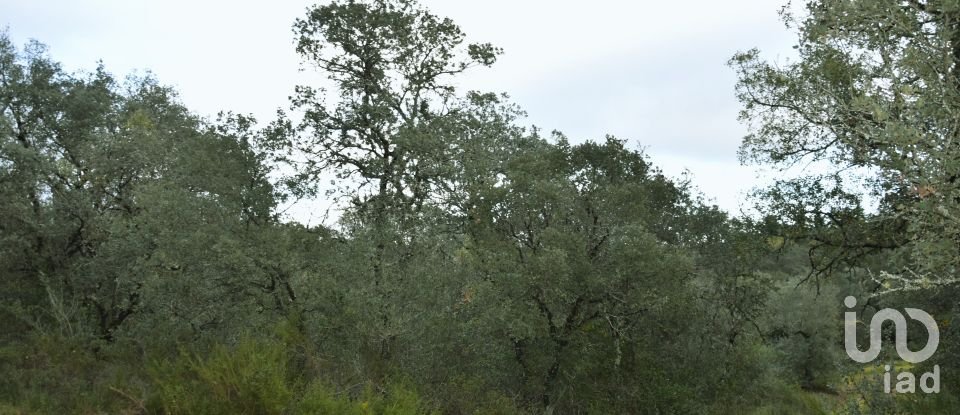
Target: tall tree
(874, 95)
(386, 134)
(391, 62)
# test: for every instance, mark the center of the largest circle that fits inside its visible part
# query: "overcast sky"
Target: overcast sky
(651, 72)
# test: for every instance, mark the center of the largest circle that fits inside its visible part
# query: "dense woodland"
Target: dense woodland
(478, 266)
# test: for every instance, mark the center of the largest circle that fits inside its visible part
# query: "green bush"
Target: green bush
(250, 378)
(256, 377)
(51, 374)
(319, 398)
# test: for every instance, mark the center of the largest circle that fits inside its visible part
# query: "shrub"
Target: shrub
(250, 378)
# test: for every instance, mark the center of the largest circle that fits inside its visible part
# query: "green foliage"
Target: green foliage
(251, 377)
(872, 102)
(873, 98)
(55, 374)
(478, 267)
(260, 377)
(320, 399)
(789, 400)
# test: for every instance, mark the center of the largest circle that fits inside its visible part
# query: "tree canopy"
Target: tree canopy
(478, 265)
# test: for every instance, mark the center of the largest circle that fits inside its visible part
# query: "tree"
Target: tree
(391, 62)
(386, 135)
(112, 197)
(875, 92)
(873, 101)
(578, 257)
